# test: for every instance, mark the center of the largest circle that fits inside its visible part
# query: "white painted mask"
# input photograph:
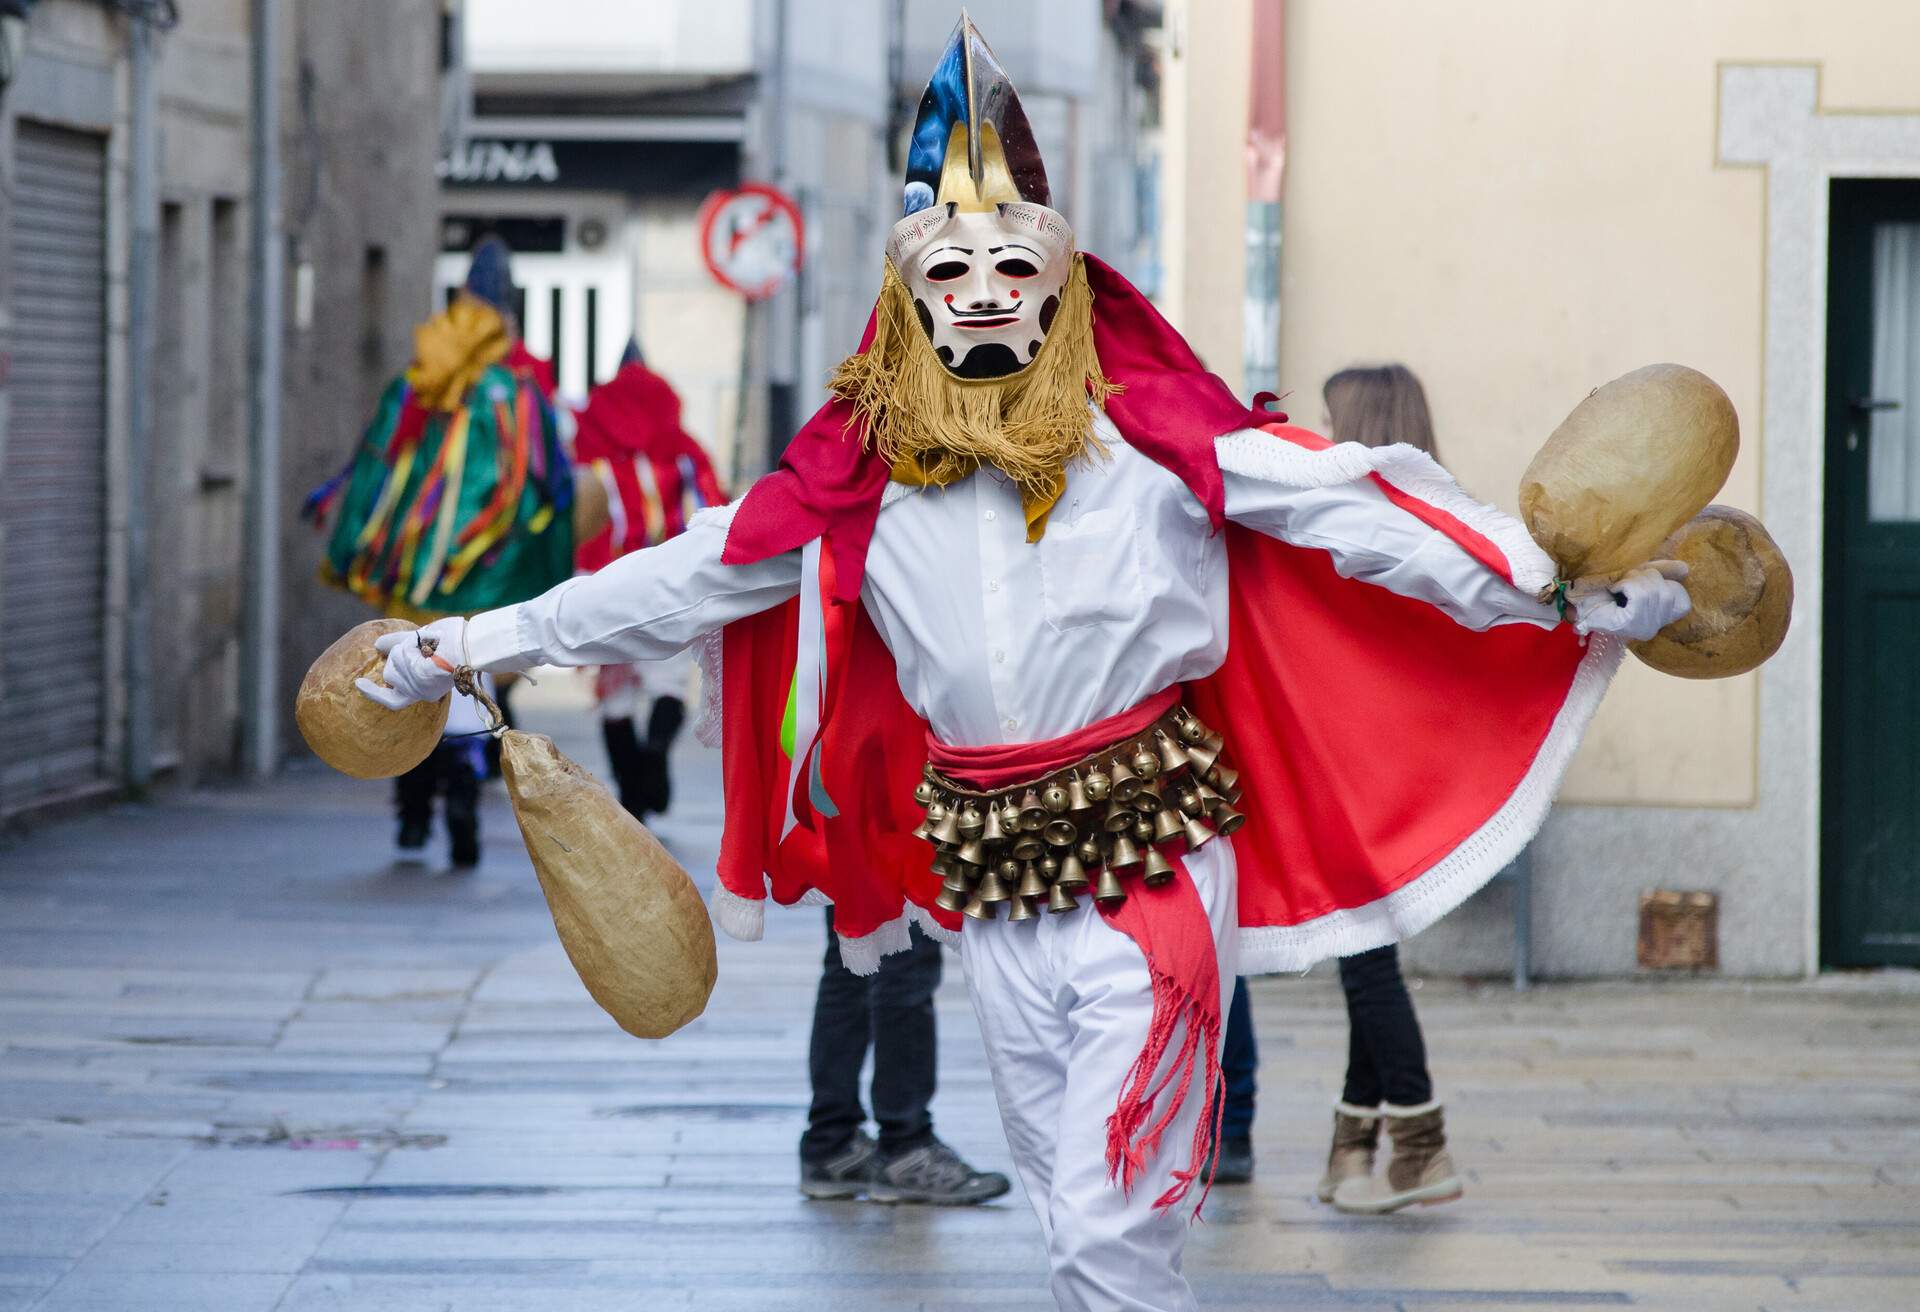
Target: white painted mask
(985, 283)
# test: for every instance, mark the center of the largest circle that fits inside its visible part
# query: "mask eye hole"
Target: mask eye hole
(947, 271)
(1015, 267)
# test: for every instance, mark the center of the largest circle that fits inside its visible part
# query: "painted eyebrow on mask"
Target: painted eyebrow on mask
(1011, 246)
(964, 250)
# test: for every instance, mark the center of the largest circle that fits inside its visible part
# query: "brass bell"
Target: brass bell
(1192, 731)
(990, 830)
(1125, 854)
(951, 899)
(1125, 783)
(1060, 901)
(1032, 814)
(1227, 780)
(1049, 867)
(1143, 830)
(1054, 798)
(1171, 757)
(1166, 823)
(1060, 832)
(942, 864)
(936, 811)
(923, 829)
(1107, 892)
(1119, 817)
(958, 880)
(1148, 798)
(971, 824)
(992, 887)
(1098, 785)
(980, 908)
(1189, 801)
(1009, 817)
(1207, 796)
(923, 792)
(1226, 819)
(1198, 831)
(1078, 798)
(1145, 763)
(1072, 874)
(1157, 869)
(1019, 909)
(1089, 852)
(1202, 757)
(946, 831)
(1031, 885)
(973, 852)
(1029, 847)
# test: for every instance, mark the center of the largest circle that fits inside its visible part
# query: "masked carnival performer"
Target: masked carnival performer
(457, 499)
(652, 477)
(1032, 617)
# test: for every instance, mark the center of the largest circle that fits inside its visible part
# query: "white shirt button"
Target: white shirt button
(991, 516)
(999, 656)
(1012, 724)
(993, 585)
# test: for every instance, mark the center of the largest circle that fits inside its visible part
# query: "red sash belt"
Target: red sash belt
(1170, 926)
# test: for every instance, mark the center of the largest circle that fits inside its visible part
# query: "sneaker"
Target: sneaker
(1230, 1162)
(933, 1173)
(844, 1175)
(411, 846)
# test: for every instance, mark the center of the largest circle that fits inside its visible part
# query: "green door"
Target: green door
(1870, 878)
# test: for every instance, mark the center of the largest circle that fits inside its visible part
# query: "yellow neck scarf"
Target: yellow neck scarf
(934, 429)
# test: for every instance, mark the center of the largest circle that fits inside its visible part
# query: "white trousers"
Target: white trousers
(1064, 1004)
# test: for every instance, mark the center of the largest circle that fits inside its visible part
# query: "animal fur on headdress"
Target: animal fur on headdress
(934, 428)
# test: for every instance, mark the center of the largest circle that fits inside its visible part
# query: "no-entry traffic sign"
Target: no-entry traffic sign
(752, 238)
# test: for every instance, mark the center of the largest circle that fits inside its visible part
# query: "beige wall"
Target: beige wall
(1520, 200)
(1203, 176)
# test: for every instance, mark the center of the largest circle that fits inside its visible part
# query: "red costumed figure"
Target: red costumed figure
(1038, 637)
(652, 477)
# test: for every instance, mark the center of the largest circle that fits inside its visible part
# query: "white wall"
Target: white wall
(609, 36)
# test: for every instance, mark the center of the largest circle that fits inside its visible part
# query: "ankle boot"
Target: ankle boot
(1419, 1171)
(1356, 1133)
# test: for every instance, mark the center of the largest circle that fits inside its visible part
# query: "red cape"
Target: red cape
(1392, 760)
(655, 473)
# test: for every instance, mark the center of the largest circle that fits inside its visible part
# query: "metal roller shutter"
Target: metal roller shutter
(53, 491)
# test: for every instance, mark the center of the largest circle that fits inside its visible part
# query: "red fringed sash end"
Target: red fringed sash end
(1131, 1140)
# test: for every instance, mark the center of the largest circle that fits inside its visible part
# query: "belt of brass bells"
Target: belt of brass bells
(1096, 825)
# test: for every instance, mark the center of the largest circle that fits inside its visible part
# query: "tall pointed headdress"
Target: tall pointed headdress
(972, 145)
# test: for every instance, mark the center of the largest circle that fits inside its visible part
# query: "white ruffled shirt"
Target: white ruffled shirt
(1001, 641)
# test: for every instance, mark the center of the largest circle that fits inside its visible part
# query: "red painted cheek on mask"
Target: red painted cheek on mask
(949, 298)
(1016, 293)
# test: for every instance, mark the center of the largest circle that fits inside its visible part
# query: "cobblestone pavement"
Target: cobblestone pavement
(247, 1064)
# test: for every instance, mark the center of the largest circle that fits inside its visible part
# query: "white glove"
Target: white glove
(1636, 605)
(411, 674)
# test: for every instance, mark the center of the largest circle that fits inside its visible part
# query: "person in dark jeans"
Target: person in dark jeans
(1239, 1069)
(1387, 1079)
(890, 1011)
(1386, 1058)
(640, 763)
(453, 770)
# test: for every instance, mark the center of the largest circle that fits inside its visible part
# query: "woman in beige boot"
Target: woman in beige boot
(1387, 1081)
(1387, 1077)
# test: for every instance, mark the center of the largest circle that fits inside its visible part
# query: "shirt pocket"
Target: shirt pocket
(1090, 570)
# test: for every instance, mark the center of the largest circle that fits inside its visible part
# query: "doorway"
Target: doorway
(1870, 878)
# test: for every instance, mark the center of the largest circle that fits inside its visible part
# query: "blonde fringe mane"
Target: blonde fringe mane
(1029, 425)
